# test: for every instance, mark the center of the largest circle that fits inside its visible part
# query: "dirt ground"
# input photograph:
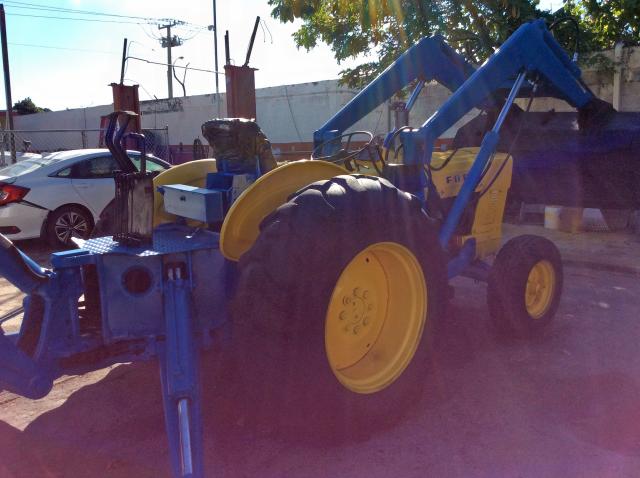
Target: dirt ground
(10, 297)
(563, 405)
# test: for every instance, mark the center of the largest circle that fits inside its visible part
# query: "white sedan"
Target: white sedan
(60, 195)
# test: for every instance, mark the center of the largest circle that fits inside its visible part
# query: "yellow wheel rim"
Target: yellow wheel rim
(540, 289)
(375, 317)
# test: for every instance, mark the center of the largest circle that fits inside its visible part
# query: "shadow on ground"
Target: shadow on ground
(499, 407)
(115, 427)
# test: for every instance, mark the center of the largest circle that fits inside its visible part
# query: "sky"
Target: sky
(63, 63)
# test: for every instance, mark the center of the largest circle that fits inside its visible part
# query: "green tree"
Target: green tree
(607, 22)
(381, 30)
(28, 107)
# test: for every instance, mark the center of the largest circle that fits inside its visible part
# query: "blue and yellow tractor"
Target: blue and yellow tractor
(325, 272)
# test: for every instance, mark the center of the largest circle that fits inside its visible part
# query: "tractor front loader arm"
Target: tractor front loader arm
(429, 59)
(532, 54)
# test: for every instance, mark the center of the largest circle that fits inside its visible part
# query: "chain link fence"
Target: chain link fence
(28, 143)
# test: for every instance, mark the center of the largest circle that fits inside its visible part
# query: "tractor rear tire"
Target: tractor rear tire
(318, 258)
(525, 285)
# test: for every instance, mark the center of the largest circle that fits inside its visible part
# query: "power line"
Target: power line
(36, 6)
(141, 86)
(153, 37)
(63, 48)
(131, 42)
(265, 30)
(174, 66)
(195, 31)
(72, 18)
(47, 8)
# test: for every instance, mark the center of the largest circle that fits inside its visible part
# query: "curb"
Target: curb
(602, 266)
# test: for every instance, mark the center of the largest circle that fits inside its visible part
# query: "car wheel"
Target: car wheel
(68, 222)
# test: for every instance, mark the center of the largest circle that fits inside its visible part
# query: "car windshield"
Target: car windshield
(23, 167)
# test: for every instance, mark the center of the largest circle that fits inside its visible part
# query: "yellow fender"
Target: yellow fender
(193, 173)
(240, 227)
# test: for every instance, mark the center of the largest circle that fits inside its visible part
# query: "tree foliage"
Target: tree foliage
(28, 107)
(380, 30)
(607, 22)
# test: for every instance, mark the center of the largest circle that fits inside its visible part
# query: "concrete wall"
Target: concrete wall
(289, 114)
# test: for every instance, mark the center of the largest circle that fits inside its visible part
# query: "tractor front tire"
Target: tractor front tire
(332, 305)
(525, 285)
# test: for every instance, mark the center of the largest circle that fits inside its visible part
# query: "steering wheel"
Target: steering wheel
(347, 153)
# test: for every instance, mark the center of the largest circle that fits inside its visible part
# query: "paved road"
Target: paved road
(565, 405)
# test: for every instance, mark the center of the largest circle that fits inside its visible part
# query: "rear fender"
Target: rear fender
(241, 225)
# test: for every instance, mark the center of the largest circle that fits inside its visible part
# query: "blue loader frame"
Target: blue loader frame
(530, 55)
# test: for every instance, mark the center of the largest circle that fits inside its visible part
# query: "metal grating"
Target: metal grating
(167, 239)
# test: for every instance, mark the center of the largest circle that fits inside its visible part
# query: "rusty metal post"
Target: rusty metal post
(125, 98)
(241, 91)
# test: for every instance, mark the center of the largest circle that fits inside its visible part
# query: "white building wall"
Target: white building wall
(291, 113)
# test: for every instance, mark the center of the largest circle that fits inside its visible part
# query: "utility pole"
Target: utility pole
(167, 42)
(215, 46)
(169, 63)
(7, 81)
